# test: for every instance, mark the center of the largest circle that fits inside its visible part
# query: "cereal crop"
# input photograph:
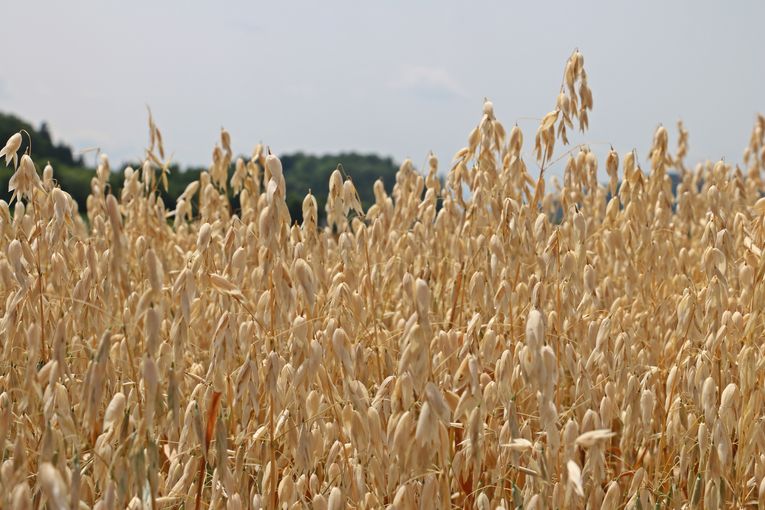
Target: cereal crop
(488, 339)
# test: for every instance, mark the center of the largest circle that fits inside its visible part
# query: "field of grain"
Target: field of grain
(486, 340)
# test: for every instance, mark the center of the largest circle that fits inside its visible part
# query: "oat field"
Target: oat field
(491, 339)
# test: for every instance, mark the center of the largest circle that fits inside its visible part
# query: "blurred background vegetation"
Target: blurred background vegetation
(303, 172)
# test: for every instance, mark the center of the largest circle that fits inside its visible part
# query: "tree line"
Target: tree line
(302, 172)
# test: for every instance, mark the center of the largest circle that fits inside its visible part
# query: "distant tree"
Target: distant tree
(44, 131)
(302, 172)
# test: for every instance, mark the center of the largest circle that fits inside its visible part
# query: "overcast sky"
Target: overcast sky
(397, 78)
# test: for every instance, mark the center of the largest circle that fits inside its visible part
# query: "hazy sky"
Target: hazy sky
(395, 78)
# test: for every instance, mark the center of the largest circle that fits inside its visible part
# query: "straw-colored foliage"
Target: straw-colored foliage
(441, 349)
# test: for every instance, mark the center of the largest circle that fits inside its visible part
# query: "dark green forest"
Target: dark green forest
(302, 172)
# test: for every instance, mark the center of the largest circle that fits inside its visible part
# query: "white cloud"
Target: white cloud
(431, 82)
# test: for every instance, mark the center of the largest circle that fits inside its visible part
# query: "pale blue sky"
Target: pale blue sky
(395, 78)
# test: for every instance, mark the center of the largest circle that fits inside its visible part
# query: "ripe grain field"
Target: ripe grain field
(453, 346)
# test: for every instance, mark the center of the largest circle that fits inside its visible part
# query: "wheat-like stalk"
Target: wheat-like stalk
(593, 346)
